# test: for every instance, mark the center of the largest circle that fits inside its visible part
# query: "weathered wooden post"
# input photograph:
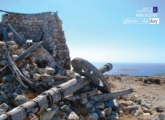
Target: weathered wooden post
(17, 37)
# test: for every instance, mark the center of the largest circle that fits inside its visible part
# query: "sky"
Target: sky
(94, 29)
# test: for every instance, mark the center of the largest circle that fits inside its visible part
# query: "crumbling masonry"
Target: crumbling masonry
(46, 27)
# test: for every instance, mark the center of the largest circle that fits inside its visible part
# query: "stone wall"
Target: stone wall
(46, 27)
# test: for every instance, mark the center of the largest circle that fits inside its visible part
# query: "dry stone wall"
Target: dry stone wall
(46, 27)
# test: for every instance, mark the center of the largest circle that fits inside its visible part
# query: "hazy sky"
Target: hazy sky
(94, 28)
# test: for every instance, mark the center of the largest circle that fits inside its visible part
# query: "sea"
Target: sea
(135, 69)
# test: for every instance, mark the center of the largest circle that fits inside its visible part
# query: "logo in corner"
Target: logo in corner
(155, 9)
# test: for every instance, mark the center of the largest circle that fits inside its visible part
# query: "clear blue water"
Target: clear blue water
(135, 69)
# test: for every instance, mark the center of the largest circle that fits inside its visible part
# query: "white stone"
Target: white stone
(14, 56)
(2, 43)
(36, 76)
(73, 116)
(50, 70)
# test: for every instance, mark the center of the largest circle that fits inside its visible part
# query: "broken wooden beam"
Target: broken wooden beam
(109, 96)
(4, 34)
(14, 69)
(18, 75)
(17, 37)
(82, 95)
(6, 70)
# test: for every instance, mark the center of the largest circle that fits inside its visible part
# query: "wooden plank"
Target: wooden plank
(17, 37)
(18, 75)
(14, 69)
(108, 96)
(6, 69)
(3, 29)
(82, 95)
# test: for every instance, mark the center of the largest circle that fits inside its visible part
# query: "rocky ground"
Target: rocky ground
(146, 102)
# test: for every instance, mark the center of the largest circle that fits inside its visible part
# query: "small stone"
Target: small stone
(146, 105)
(36, 76)
(138, 100)
(120, 109)
(125, 97)
(101, 115)
(100, 105)
(19, 100)
(127, 103)
(48, 115)
(7, 78)
(107, 111)
(3, 96)
(4, 107)
(11, 42)
(14, 57)
(130, 108)
(88, 106)
(146, 114)
(83, 100)
(146, 110)
(161, 116)
(73, 116)
(93, 116)
(113, 116)
(2, 43)
(65, 108)
(133, 97)
(33, 117)
(113, 104)
(3, 62)
(50, 70)
(159, 109)
(45, 77)
(13, 47)
(135, 112)
(60, 114)
(1, 111)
